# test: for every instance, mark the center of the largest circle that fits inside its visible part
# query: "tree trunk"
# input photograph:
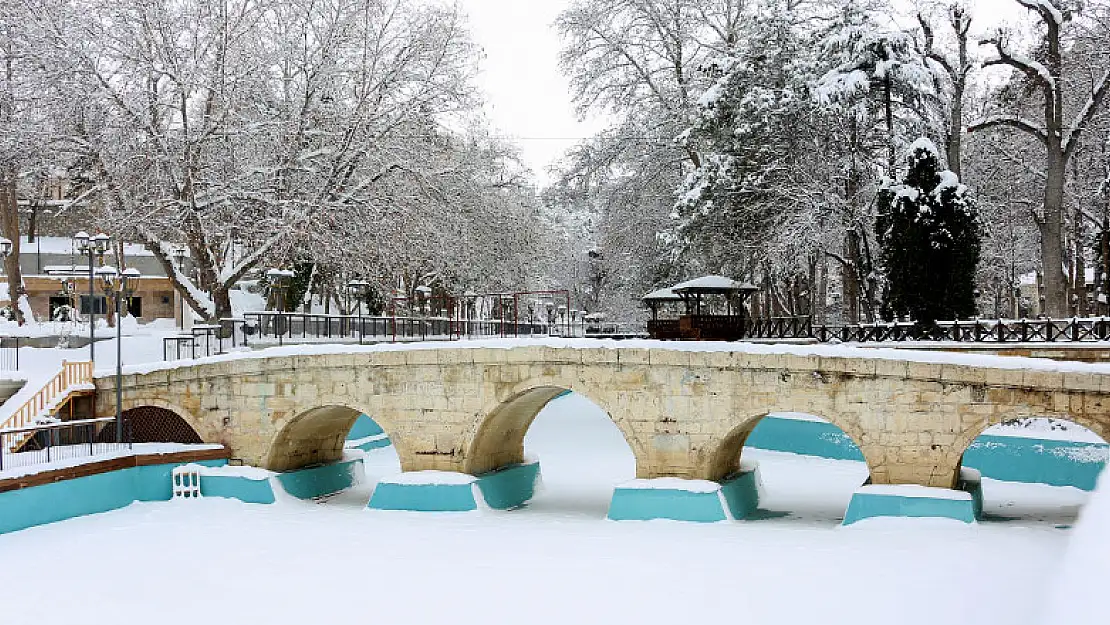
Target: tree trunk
(955, 130)
(1052, 239)
(1104, 278)
(9, 223)
(851, 277)
(891, 156)
(221, 297)
(1079, 288)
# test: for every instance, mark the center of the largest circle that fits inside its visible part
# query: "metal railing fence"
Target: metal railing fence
(50, 442)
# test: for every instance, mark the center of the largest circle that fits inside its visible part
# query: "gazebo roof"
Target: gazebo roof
(664, 295)
(712, 284)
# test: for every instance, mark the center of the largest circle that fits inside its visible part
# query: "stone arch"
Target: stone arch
(155, 424)
(723, 458)
(165, 409)
(313, 437)
(498, 439)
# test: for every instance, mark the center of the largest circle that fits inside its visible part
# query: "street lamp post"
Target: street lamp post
(471, 313)
(179, 261)
(97, 245)
(279, 282)
(359, 288)
(5, 251)
(118, 287)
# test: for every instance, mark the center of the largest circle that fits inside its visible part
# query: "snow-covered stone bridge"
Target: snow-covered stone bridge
(684, 409)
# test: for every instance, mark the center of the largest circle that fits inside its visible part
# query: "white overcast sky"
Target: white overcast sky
(527, 97)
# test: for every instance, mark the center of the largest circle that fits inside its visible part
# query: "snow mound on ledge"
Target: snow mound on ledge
(248, 472)
(913, 490)
(672, 483)
(1077, 597)
(429, 477)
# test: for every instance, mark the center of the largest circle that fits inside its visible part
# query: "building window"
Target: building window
(100, 304)
(57, 301)
(135, 306)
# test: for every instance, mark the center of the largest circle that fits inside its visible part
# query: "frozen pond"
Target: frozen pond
(555, 561)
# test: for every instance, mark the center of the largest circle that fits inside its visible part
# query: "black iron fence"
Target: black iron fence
(274, 328)
(1086, 329)
(41, 444)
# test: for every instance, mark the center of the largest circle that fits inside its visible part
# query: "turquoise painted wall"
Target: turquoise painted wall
(510, 487)
(867, 506)
(424, 497)
(1009, 458)
(364, 427)
(1032, 460)
(28, 507)
(234, 487)
(646, 504)
(742, 494)
(809, 438)
(318, 481)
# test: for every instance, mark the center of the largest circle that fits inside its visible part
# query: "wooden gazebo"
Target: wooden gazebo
(713, 310)
(664, 313)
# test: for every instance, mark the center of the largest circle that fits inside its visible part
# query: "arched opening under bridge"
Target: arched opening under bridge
(808, 466)
(1036, 468)
(582, 453)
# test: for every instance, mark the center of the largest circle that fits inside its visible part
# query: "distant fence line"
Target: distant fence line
(273, 328)
(1077, 329)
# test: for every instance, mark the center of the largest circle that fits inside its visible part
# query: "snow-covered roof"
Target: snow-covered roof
(662, 294)
(712, 283)
(64, 245)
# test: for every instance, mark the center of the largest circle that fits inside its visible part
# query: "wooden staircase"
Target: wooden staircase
(73, 381)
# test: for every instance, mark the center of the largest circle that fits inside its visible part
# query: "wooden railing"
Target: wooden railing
(72, 374)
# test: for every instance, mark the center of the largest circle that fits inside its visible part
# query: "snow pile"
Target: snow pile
(246, 472)
(913, 490)
(798, 416)
(1045, 428)
(425, 478)
(672, 483)
(1077, 599)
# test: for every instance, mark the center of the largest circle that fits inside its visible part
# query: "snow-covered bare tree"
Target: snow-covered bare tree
(1053, 71)
(252, 130)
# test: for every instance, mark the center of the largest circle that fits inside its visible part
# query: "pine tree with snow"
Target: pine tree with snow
(929, 233)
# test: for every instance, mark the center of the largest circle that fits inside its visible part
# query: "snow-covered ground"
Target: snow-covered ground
(555, 561)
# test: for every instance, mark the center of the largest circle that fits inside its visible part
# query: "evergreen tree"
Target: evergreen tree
(929, 232)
